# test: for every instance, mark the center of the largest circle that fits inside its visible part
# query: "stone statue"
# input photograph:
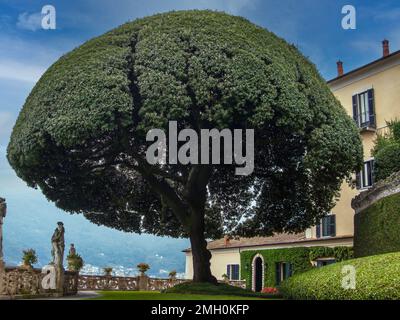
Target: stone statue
(72, 250)
(58, 245)
(3, 211)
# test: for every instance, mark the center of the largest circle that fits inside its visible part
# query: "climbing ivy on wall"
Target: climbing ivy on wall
(300, 258)
(340, 253)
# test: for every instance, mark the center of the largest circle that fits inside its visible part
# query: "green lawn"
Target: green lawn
(151, 295)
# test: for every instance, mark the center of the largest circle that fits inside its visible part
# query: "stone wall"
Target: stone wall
(19, 282)
(377, 218)
(142, 283)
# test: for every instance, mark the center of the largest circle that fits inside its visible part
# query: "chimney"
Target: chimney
(385, 47)
(339, 68)
(226, 240)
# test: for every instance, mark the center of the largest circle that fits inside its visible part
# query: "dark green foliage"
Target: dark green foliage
(387, 152)
(387, 161)
(339, 253)
(143, 267)
(75, 262)
(377, 228)
(29, 257)
(80, 135)
(300, 258)
(377, 277)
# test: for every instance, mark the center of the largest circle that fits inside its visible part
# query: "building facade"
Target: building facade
(370, 95)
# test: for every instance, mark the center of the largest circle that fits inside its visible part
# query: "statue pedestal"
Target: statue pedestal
(54, 279)
(60, 281)
(143, 282)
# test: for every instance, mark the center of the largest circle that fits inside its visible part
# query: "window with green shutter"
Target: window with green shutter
(365, 178)
(232, 271)
(327, 227)
(364, 109)
(283, 270)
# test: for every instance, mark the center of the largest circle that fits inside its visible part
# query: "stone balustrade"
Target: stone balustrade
(19, 282)
(27, 282)
(91, 283)
(143, 283)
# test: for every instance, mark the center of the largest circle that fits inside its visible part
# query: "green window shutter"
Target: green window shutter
(371, 108)
(355, 110)
(332, 225)
(235, 272)
(278, 275)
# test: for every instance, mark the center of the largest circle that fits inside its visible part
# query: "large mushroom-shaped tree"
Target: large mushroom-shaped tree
(81, 135)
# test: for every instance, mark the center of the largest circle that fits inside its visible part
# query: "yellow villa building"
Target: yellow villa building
(370, 94)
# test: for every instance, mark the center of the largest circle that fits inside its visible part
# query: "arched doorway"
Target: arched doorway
(258, 273)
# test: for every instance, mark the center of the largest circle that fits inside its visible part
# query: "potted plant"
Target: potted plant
(143, 267)
(29, 258)
(75, 262)
(107, 271)
(225, 277)
(172, 275)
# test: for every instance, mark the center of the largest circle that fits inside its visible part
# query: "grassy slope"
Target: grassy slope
(377, 277)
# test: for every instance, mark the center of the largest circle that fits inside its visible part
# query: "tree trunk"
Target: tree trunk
(201, 255)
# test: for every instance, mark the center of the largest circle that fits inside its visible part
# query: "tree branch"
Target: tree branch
(164, 189)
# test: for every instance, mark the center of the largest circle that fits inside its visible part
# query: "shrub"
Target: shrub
(270, 290)
(387, 152)
(387, 161)
(377, 277)
(29, 257)
(143, 267)
(107, 271)
(225, 277)
(75, 262)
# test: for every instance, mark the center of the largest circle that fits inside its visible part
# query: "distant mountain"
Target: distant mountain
(31, 220)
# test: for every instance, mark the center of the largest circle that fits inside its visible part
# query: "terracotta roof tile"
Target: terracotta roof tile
(256, 241)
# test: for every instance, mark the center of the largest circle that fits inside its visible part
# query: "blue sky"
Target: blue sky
(26, 50)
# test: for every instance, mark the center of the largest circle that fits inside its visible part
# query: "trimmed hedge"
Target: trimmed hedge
(377, 228)
(300, 258)
(377, 277)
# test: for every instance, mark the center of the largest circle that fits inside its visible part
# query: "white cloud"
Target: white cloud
(30, 22)
(14, 70)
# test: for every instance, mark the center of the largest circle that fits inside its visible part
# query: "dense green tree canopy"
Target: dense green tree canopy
(387, 152)
(80, 136)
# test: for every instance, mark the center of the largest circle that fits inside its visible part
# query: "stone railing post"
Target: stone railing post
(143, 282)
